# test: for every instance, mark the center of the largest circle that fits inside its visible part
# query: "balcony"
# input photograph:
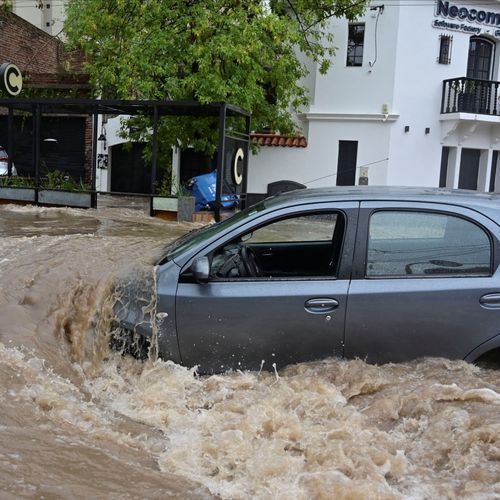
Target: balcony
(467, 95)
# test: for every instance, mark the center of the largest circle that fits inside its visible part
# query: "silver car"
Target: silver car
(4, 163)
(383, 274)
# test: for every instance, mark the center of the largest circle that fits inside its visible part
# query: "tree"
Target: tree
(244, 52)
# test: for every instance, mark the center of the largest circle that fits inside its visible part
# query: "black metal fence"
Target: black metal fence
(232, 154)
(467, 95)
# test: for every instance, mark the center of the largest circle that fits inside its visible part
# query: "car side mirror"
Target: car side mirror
(201, 269)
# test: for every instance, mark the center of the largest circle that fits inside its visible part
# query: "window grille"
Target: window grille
(445, 43)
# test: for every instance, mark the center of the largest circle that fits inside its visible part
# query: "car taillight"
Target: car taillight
(4, 158)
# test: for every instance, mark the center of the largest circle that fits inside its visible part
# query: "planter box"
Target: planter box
(165, 204)
(165, 207)
(180, 209)
(17, 194)
(75, 199)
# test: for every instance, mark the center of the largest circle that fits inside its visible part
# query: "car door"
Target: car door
(247, 321)
(423, 284)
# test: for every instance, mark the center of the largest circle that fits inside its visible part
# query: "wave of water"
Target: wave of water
(78, 420)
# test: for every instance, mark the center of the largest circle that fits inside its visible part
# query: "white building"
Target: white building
(47, 15)
(383, 111)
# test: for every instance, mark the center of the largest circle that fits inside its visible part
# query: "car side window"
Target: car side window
(317, 227)
(293, 247)
(426, 244)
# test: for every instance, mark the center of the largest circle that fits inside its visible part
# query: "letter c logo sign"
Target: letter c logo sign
(11, 79)
(238, 173)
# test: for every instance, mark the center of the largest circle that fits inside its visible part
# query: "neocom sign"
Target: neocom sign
(461, 13)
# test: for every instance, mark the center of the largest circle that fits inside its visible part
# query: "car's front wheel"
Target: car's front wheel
(490, 360)
(129, 342)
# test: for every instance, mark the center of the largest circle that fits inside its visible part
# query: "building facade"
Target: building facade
(47, 70)
(48, 15)
(412, 98)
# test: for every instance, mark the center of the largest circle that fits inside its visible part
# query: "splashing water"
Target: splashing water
(79, 420)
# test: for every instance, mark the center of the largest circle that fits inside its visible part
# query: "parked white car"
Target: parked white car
(4, 163)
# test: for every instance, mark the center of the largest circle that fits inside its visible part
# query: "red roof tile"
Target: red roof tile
(279, 140)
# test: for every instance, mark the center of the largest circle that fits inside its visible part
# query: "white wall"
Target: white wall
(347, 104)
(367, 88)
(47, 15)
(415, 156)
(316, 165)
(407, 77)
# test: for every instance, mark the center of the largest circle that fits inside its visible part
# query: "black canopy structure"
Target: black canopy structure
(232, 154)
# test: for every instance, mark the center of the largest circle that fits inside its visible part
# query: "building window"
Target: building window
(445, 43)
(355, 44)
(480, 58)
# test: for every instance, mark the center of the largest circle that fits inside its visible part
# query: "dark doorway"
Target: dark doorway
(194, 163)
(493, 174)
(479, 60)
(346, 165)
(445, 154)
(469, 168)
(129, 173)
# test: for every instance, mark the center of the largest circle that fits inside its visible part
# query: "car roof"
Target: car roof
(485, 203)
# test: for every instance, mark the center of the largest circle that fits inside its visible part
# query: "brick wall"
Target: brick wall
(40, 56)
(44, 64)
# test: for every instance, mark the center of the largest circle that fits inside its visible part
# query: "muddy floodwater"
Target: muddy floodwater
(78, 421)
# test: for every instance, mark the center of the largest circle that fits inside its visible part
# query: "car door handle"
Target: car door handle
(490, 300)
(321, 305)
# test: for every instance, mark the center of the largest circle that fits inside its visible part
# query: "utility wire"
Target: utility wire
(345, 171)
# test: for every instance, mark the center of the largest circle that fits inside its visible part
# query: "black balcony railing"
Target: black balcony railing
(467, 95)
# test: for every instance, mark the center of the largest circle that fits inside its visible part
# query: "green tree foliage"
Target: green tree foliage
(5, 6)
(241, 51)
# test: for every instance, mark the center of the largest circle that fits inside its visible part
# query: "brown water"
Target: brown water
(79, 422)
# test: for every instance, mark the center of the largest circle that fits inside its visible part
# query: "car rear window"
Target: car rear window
(411, 243)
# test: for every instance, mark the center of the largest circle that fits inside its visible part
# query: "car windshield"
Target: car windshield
(196, 236)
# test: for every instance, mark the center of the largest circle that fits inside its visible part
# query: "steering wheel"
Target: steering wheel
(251, 262)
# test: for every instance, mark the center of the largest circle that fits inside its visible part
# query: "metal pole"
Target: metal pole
(93, 171)
(245, 162)
(10, 141)
(154, 158)
(36, 149)
(220, 161)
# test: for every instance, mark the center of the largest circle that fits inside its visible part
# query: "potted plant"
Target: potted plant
(17, 189)
(60, 189)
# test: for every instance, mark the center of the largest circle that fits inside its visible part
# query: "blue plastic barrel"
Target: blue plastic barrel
(204, 189)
